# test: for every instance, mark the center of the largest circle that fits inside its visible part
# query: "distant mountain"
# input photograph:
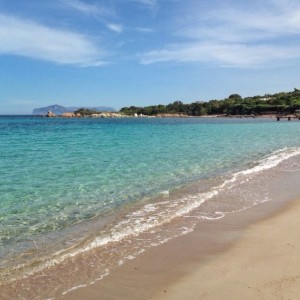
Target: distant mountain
(56, 109)
(59, 110)
(100, 108)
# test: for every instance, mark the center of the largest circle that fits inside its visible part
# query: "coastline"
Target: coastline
(71, 115)
(250, 254)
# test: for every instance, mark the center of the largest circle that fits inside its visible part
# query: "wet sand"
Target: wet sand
(253, 254)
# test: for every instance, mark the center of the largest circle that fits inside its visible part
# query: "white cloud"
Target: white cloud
(151, 3)
(268, 22)
(115, 27)
(87, 8)
(26, 38)
(237, 35)
(233, 55)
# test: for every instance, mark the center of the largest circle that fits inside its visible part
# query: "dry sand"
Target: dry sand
(263, 264)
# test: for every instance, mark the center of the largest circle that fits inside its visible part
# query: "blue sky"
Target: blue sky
(142, 52)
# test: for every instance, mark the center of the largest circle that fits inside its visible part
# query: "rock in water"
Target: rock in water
(50, 114)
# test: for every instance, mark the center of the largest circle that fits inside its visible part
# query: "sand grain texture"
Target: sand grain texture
(263, 264)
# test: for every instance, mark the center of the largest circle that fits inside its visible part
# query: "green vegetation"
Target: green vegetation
(280, 103)
(86, 111)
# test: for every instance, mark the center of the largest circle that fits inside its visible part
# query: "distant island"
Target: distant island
(60, 110)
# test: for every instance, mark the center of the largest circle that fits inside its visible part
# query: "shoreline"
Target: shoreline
(213, 250)
(170, 116)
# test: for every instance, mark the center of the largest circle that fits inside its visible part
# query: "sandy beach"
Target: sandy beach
(263, 264)
(253, 254)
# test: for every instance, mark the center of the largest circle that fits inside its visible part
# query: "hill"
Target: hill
(279, 103)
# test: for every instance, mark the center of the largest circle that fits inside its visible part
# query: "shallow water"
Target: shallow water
(95, 192)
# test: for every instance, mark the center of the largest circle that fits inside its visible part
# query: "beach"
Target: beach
(153, 202)
(252, 254)
(263, 264)
(149, 150)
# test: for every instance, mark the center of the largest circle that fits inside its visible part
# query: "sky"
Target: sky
(144, 52)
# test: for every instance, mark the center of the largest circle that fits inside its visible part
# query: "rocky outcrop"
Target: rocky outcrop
(68, 115)
(104, 115)
(50, 114)
(171, 115)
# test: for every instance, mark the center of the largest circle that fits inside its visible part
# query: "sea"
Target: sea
(80, 197)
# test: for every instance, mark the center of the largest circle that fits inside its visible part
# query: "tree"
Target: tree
(235, 97)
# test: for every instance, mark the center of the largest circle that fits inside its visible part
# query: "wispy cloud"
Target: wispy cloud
(247, 24)
(235, 35)
(150, 3)
(230, 55)
(115, 27)
(29, 39)
(87, 8)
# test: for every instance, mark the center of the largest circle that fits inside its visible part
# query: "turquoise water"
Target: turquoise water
(58, 173)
